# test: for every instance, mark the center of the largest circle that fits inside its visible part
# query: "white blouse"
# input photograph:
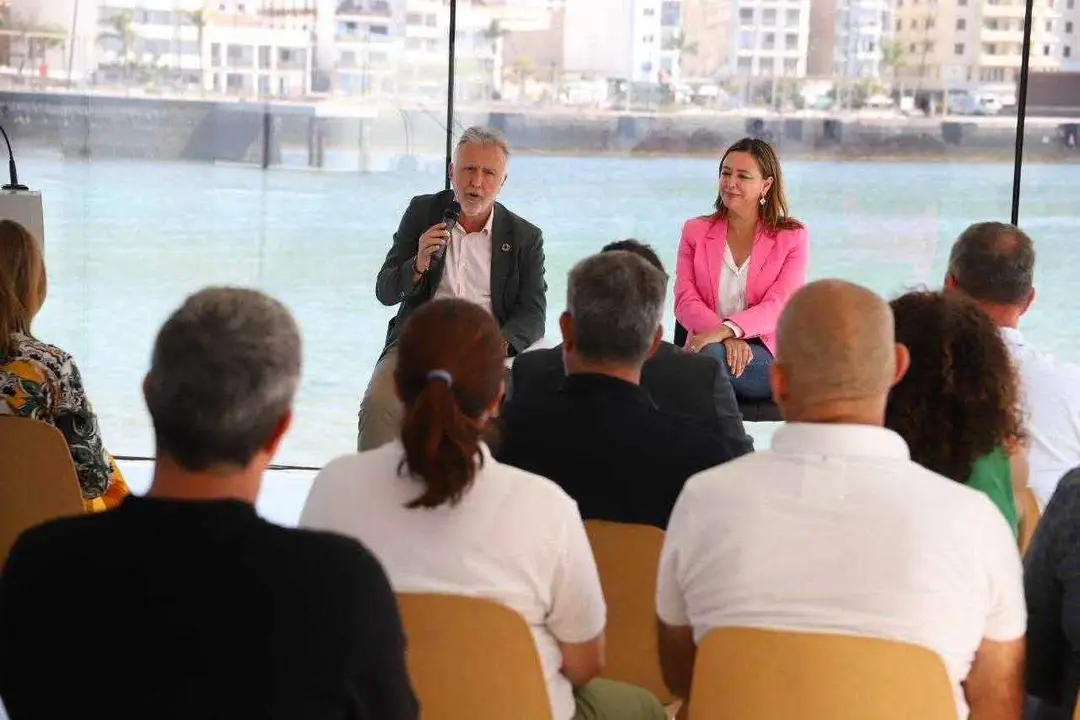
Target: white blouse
(732, 293)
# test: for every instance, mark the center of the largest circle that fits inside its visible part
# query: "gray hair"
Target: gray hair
(616, 299)
(224, 371)
(994, 262)
(484, 136)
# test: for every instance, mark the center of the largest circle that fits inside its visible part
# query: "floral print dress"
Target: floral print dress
(41, 382)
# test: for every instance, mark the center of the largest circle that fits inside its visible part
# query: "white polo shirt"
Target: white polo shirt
(837, 530)
(1051, 398)
(515, 537)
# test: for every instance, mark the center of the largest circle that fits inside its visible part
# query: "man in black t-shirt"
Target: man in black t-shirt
(186, 604)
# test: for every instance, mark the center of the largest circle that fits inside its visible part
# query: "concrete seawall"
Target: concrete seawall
(98, 126)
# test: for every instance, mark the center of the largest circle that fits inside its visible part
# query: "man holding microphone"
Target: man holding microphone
(458, 243)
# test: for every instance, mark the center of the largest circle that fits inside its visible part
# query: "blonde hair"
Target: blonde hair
(22, 281)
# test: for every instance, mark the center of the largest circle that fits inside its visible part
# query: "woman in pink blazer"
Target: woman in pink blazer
(738, 267)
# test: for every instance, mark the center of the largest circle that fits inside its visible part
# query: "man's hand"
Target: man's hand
(720, 334)
(436, 237)
(739, 355)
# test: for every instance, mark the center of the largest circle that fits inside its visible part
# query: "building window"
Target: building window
(1049, 26)
(958, 49)
(914, 24)
(647, 39)
(791, 41)
(961, 24)
(899, 25)
(746, 15)
(743, 65)
(414, 18)
(264, 56)
(648, 12)
(768, 41)
(430, 20)
(911, 47)
(1066, 51)
(791, 66)
(1068, 28)
(768, 17)
(792, 18)
(746, 39)
(1046, 49)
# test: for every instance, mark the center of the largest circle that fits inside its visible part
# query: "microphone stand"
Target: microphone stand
(13, 174)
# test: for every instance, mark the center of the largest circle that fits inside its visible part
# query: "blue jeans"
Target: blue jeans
(753, 384)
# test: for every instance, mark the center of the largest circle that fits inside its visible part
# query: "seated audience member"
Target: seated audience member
(994, 264)
(836, 530)
(490, 256)
(600, 437)
(738, 266)
(212, 611)
(443, 516)
(40, 381)
(958, 407)
(690, 385)
(1052, 588)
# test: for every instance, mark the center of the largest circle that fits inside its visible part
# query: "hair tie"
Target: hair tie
(442, 375)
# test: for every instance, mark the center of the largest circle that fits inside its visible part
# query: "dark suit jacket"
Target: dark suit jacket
(609, 447)
(681, 383)
(518, 288)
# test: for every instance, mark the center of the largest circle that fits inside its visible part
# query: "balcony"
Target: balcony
(1001, 36)
(364, 9)
(1003, 9)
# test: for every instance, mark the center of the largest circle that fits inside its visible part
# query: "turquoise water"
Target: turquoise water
(126, 241)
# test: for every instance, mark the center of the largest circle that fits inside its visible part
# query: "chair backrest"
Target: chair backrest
(628, 557)
(1031, 514)
(471, 658)
(753, 674)
(37, 478)
(681, 334)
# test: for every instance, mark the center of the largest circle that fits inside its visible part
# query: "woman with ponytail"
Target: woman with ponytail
(443, 516)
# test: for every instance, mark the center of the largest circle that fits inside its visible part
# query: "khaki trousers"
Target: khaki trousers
(380, 410)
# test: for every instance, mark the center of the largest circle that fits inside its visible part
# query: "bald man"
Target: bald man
(835, 529)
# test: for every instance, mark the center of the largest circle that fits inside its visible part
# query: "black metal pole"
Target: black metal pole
(450, 90)
(1021, 110)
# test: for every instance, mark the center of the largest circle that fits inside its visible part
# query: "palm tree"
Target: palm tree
(121, 31)
(494, 34)
(679, 43)
(198, 19)
(892, 57)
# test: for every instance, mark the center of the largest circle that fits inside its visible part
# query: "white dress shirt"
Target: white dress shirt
(515, 538)
(835, 529)
(1051, 399)
(467, 270)
(731, 298)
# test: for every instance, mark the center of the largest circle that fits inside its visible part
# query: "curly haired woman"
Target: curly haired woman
(958, 405)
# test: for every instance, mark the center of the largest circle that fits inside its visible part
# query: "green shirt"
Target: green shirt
(992, 474)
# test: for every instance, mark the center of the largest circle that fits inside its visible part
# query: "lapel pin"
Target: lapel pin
(506, 247)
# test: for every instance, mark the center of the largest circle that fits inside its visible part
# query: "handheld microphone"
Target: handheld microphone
(450, 217)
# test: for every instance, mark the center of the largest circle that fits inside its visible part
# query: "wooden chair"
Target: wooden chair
(37, 478)
(752, 410)
(472, 658)
(628, 557)
(752, 674)
(1031, 514)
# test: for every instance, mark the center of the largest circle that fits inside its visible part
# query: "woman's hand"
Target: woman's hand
(699, 341)
(739, 355)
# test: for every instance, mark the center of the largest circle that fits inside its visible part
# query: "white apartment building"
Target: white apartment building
(953, 44)
(771, 38)
(862, 27)
(368, 46)
(633, 40)
(1069, 34)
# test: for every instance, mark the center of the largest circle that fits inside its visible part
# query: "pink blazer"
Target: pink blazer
(777, 269)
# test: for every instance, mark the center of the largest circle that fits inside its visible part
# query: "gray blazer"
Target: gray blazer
(518, 287)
